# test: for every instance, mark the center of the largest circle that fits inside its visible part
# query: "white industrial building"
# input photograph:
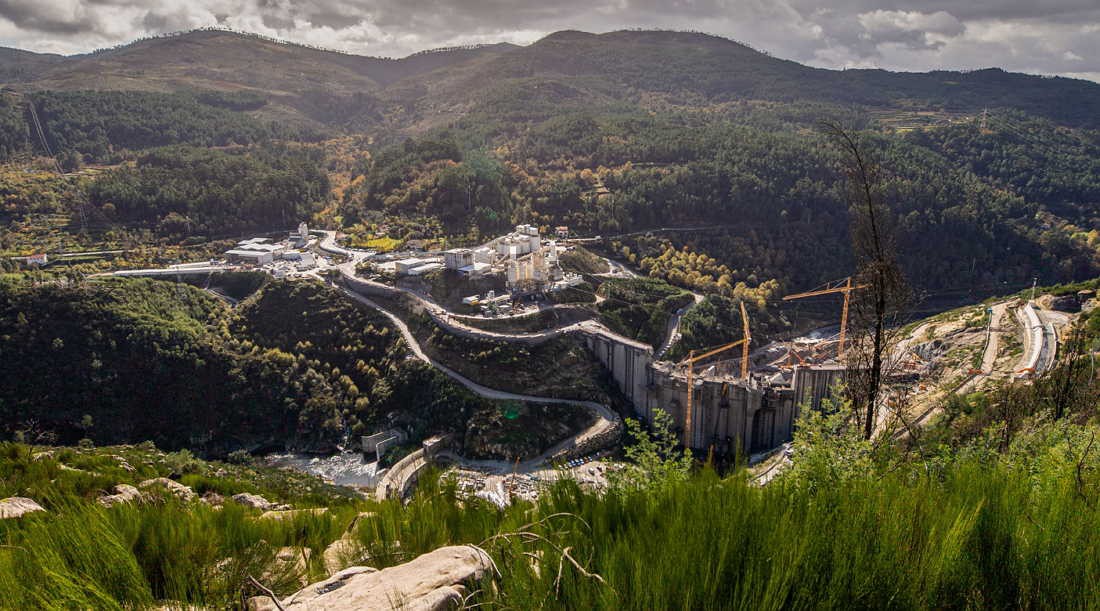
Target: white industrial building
(403, 266)
(300, 237)
(425, 268)
(457, 258)
(476, 270)
(251, 257)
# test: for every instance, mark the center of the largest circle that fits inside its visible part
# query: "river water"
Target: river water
(344, 469)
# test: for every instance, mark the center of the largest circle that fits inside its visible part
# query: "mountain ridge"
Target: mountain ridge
(431, 89)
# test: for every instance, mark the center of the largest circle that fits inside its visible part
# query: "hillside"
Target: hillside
(296, 367)
(296, 80)
(574, 68)
(1000, 513)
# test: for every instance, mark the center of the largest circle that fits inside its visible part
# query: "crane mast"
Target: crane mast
(846, 289)
(689, 365)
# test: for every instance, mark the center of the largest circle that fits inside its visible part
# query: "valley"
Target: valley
(638, 319)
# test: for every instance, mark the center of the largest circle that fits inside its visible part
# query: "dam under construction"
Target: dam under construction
(725, 412)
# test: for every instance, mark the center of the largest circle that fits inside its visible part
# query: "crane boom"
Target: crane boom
(689, 364)
(846, 289)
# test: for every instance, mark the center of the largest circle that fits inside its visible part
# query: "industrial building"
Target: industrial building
(299, 238)
(249, 256)
(263, 251)
(529, 264)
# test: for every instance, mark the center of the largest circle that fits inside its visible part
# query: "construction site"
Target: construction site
(733, 399)
(729, 400)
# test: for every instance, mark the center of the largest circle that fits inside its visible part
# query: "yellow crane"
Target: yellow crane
(845, 287)
(689, 364)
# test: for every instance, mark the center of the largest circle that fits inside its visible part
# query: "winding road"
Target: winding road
(606, 420)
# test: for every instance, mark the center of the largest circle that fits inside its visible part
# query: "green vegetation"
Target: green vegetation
(558, 367)
(188, 191)
(154, 360)
(83, 555)
(102, 125)
(717, 320)
(583, 261)
(640, 308)
(519, 431)
(984, 524)
(296, 366)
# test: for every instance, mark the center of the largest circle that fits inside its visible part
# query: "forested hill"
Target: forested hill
(992, 175)
(622, 67)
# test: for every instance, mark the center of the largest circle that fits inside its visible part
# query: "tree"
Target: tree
(884, 294)
(653, 455)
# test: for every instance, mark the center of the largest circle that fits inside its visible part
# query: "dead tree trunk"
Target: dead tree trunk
(877, 306)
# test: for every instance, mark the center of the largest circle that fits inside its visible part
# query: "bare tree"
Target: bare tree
(878, 305)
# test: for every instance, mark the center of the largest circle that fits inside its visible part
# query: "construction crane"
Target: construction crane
(692, 359)
(846, 289)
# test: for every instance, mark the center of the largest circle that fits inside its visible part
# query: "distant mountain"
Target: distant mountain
(17, 65)
(434, 88)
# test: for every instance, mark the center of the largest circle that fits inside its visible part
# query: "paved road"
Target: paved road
(674, 326)
(606, 419)
(992, 346)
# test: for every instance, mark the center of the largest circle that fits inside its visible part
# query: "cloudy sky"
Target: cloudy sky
(1038, 36)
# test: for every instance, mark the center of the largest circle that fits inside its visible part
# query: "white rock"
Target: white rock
(177, 489)
(290, 514)
(17, 507)
(254, 500)
(432, 582)
(123, 493)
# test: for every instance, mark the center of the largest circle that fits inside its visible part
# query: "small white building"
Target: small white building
(425, 269)
(403, 266)
(475, 270)
(304, 260)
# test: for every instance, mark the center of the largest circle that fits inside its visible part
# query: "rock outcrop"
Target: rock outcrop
(255, 501)
(290, 561)
(290, 514)
(123, 493)
(17, 507)
(433, 581)
(172, 487)
(347, 549)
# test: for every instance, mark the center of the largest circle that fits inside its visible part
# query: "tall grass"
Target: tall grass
(977, 534)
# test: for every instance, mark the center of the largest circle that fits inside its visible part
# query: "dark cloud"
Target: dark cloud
(1046, 36)
(49, 16)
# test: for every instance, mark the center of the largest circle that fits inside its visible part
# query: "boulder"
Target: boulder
(290, 514)
(174, 488)
(342, 552)
(123, 463)
(254, 500)
(346, 550)
(433, 581)
(17, 507)
(123, 493)
(213, 499)
(289, 561)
